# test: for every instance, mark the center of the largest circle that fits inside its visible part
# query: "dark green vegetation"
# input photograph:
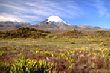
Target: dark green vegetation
(27, 50)
(23, 33)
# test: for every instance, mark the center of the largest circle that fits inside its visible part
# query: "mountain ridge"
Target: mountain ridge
(52, 23)
(10, 25)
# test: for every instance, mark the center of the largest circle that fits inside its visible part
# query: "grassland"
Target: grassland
(54, 53)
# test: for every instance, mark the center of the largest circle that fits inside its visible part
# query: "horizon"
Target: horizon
(76, 12)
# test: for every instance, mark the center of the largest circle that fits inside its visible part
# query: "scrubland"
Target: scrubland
(54, 54)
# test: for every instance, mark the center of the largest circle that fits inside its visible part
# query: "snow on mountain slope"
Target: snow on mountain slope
(55, 19)
(53, 23)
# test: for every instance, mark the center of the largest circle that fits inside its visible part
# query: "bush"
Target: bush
(24, 33)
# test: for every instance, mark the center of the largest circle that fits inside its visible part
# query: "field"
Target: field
(55, 55)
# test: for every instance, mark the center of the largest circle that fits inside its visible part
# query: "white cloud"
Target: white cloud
(12, 6)
(31, 4)
(7, 17)
(32, 10)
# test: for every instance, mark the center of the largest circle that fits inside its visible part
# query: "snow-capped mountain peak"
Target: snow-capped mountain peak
(55, 19)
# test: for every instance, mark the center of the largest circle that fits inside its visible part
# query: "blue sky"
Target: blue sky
(78, 12)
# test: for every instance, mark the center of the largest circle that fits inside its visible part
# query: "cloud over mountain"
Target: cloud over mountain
(36, 10)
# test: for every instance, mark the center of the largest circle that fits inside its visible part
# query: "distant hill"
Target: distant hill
(88, 28)
(9, 25)
(27, 32)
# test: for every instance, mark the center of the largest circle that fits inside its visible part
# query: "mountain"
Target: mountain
(53, 23)
(10, 25)
(88, 28)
